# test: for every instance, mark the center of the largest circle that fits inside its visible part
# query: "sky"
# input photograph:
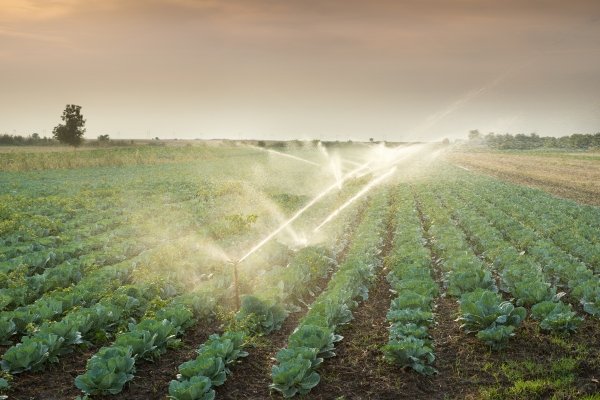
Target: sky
(395, 70)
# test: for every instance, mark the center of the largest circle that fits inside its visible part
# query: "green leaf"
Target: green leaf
(212, 368)
(197, 388)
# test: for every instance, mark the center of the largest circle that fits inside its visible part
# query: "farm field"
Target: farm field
(405, 276)
(573, 176)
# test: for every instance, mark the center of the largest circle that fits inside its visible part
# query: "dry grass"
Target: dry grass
(38, 149)
(33, 158)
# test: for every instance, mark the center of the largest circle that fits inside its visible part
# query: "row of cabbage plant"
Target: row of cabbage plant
(54, 304)
(260, 313)
(108, 316)
(85, 293)
(151, 337)
(41, 260)
(483, 310)
(13, 245)
(113, 366)
(25, 289)
(34, 249)
(66, 265)
(54, 339)
(315, 337)
(411, 280)
(582, 220)
(28, 221)
(461, 270)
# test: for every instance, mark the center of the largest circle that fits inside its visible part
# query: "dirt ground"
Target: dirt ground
(537, 365)
(570, 176)
(566, 368)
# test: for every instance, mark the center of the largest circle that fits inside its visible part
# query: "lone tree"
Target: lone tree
(474, 134)
(71, 133)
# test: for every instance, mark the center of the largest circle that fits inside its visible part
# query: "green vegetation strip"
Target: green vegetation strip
(85, 293)
(260, 313)
(411, 279)
(52, 340)
(573, 227)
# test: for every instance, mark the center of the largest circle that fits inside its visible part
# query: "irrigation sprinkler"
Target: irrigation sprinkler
(310, 204)
(236, 284)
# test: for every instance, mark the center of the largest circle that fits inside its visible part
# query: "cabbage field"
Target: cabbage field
(239, 272)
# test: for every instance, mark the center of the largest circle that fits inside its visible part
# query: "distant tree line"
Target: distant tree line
(35, 140)
(31, 140)
(522, 141)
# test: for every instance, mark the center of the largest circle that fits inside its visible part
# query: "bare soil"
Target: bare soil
(467, 369)
(537, 365)
(151, 380)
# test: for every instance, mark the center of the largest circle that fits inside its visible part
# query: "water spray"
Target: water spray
(301, 211)
(337, 173)
(356, 196)
(262, 243)
(294, 157)
(391, 158)
(350, 162)
(285, 155)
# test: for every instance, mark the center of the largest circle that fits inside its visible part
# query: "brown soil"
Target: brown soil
(358, 371)
(151, 380)
(563, 175)
(467, 368)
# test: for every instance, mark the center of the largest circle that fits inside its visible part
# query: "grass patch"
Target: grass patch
(530, 379)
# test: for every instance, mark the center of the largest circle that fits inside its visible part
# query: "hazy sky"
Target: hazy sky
(395, 70)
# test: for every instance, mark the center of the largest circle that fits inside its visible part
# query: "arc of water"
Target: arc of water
(301, 211)
(294, 157)
(354, 172)
(337, 173)
(355, 197)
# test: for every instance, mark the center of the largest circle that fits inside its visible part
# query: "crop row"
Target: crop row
(69, 263)
(410, 277)
(88, 291)
(520, 274)
(315, 337)
(58, 249)
(26, 221)
(482, 309)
